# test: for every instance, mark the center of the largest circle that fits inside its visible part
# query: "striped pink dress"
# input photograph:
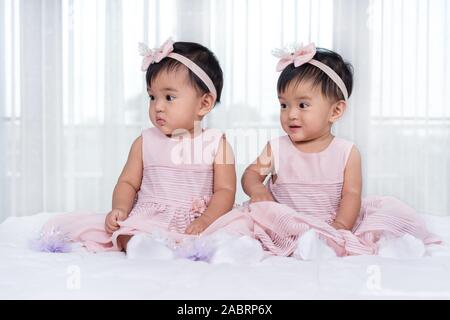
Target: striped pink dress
(308, 191)
(176, 186)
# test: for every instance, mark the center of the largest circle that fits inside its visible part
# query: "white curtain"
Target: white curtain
(72, 96)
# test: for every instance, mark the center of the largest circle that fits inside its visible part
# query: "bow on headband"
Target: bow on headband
(155, 55)
(299, 57)
(303, 55)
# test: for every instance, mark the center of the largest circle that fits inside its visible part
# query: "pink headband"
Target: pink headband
(156, 55)
(305, 55)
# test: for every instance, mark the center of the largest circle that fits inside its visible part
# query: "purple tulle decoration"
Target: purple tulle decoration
(52, 240)
(196, 250)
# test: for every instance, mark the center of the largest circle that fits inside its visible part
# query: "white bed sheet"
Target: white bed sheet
(27, 274)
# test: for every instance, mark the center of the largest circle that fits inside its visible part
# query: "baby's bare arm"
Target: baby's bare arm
(224, 194)
(255, 174)
(129, 181)
(351, 193)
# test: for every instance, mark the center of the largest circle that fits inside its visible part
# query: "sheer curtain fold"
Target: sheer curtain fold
(31, 125)
(352, 41)
(114, 129)
(3, 182)
(409, 129)
(72, 97)
(52, 127)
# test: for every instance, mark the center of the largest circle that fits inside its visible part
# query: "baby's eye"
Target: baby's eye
(283, 106)
(151, 97)
(303, 105)
(169, 97)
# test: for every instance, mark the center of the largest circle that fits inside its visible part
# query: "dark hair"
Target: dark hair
(318, 77)
(201, 56)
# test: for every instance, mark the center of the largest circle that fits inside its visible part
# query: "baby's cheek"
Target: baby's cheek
(183, 123)
(150, 114)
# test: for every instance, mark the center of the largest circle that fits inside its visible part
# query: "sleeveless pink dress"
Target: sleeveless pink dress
(308, 191)
(176, 186)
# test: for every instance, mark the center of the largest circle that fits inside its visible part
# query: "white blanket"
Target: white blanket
(27, 274)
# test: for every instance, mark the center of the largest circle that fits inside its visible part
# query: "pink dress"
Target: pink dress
(176, 186)
(308, 191)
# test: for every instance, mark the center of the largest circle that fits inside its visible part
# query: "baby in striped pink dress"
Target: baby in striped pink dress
(179, 177)
(315, 177)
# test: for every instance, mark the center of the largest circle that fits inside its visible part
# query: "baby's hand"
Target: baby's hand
(198, 225)
(112, 218)
(261, 196)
